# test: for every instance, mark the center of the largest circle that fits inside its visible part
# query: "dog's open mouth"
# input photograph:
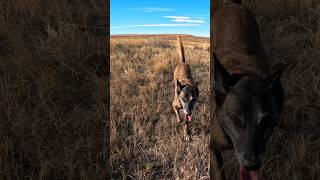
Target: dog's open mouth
(188, 117)
(249, 175)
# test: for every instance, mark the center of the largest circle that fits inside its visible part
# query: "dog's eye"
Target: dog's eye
(265, 121)
(182, 99)
(193, 101)
(236, 118)
(266, 117)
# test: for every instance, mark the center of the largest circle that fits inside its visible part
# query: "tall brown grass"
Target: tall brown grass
(50, 123)
(290, 33)
(145, 142)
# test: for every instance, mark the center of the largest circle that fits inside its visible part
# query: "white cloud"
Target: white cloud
(203, 18)
(177, 17)
(185, 19)
(152, 9)
(156, 25)
(189, 21)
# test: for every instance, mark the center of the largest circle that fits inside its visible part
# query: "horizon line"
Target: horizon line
(112, 34)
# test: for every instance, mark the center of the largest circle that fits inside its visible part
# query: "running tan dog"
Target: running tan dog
(248, 95)
(186, 91)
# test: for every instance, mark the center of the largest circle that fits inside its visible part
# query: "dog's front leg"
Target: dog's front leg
(186, 132)
(216, 171)
(175, 109)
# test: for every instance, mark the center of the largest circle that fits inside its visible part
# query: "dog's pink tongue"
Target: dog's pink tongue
(188, 117)
(246, 175)
(255, 175)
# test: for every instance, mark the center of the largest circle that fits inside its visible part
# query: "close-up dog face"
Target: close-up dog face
(187, 97)
(248, 110)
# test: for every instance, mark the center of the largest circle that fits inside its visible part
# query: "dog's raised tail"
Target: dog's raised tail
(235, 1)
(219, 3)
(181, 50)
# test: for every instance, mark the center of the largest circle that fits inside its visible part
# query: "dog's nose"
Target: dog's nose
(253, 167)
(251, 164)
(186, 112)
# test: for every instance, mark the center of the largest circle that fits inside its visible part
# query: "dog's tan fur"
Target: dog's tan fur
(237, 42)
(182, 73)
(237, 46)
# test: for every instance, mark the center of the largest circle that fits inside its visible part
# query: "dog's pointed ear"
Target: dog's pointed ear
(275, 83)
(196, 91)
(179, 86)
(223, 80)
(278, 70)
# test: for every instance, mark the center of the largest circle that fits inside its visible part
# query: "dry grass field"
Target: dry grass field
(290, 31)
(146, 144)
(50, 123)
(145, 141)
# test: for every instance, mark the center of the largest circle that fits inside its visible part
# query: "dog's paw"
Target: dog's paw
(178, 121)
(187, 138)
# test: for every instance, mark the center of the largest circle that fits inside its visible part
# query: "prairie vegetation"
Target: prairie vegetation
(51, 126)
(145, 141)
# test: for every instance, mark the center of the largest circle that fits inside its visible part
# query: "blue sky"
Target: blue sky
(160, 17)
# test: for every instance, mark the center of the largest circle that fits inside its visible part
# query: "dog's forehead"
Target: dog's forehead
(186, 91)
(250, 87)
(247, 93)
